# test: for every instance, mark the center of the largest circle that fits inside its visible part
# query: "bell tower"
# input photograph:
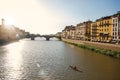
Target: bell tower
(3, 22)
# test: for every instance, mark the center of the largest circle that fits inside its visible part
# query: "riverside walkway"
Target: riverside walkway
(113, 47)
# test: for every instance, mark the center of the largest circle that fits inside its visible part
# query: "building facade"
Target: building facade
(101, 29)
(69, 32)
(72, 32)
(82, 30)
(116, 27)
(104, 29)
(88, 30)
(105, 26)
(63, 34)
(94, 32)
(58, 34)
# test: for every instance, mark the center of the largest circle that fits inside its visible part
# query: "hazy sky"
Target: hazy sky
(51, 16)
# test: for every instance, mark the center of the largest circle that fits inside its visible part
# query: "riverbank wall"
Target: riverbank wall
(112, 50)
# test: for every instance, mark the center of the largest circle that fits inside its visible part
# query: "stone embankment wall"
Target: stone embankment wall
(112, 47)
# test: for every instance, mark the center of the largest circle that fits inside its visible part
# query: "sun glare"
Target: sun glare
(9, 21)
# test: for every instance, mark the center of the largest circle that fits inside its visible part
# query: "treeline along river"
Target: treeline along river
(50, 60)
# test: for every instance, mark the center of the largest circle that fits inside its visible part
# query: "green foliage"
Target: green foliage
(117, 55)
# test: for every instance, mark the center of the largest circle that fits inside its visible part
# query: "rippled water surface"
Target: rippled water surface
(50, 60)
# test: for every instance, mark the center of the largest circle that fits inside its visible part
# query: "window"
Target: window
(113, 33)
(115, 29)
(105, 22)
(113, 20)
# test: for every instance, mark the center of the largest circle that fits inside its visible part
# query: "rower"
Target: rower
(75, 67)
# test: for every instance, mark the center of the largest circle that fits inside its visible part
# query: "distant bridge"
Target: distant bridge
(33, 36)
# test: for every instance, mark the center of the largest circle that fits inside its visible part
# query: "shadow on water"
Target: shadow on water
(3, 43)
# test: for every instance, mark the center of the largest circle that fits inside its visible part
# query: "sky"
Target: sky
(51, 16)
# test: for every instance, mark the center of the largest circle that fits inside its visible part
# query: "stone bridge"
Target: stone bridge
(32, 36)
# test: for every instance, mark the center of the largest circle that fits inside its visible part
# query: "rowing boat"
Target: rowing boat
(75, 69)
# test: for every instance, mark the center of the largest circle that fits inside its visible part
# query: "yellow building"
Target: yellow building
(105, 29)
(101, 29)
(69, 32)
(94, 32)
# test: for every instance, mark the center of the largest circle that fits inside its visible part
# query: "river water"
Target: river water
(50, 60)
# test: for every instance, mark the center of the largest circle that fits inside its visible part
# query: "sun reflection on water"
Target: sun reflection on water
(14, 60)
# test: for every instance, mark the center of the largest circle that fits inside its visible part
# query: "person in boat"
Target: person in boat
(74, 67)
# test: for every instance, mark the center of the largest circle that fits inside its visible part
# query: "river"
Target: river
(50, 60)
